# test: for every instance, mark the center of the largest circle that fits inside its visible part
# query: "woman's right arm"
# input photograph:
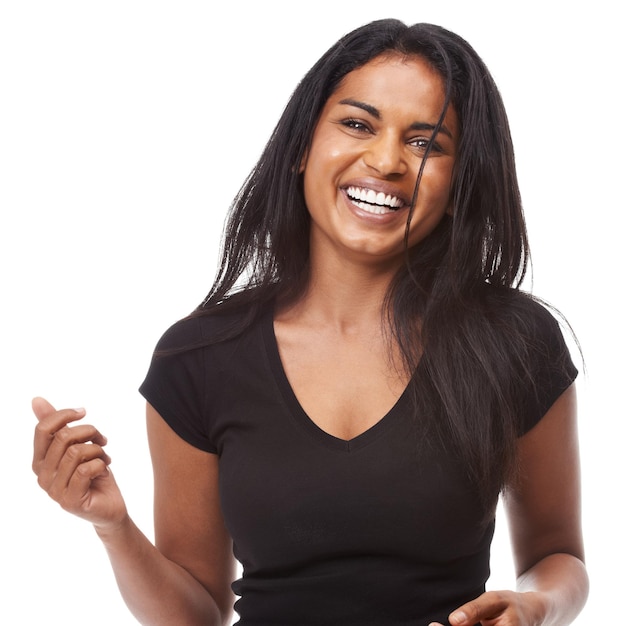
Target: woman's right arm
(185, 579)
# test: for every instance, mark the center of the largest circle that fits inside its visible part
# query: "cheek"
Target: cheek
(435, 188)
(321, 173)
(432, 204)
(328, 153)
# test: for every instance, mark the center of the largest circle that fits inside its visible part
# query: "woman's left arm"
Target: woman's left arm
(544, 516)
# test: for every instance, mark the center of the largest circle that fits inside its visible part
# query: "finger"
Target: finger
(72, 456)
(50, 422)
(45, 412)
(77, 494)
(62, 452)
(77, 461)
(42, 408)
(488, 606)
(66, 437)
(50, 451)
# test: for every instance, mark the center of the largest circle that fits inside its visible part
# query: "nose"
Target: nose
(385, 155)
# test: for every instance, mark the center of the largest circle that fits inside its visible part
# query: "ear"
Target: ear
(303, 161)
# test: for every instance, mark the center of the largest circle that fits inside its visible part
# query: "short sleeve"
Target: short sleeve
(175, 383)
(552, 370)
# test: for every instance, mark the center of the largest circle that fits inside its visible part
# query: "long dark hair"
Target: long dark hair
(460, 321)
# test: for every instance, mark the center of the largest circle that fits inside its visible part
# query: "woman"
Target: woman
(363, 379)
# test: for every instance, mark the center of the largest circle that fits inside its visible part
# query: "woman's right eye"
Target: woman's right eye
(355, 125)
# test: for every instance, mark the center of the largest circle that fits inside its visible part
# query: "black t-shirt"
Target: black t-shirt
(376, 530)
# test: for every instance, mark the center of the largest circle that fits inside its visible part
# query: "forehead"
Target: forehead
(393, 82)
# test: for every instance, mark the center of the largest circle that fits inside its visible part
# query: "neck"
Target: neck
(344, 295)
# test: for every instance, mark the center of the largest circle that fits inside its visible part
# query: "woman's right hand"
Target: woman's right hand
(72, 466)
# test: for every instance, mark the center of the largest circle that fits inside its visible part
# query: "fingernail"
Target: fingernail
(458, 617)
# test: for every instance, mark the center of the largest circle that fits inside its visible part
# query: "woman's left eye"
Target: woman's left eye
(421, 144)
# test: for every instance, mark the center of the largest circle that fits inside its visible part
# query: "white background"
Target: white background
(126, 127)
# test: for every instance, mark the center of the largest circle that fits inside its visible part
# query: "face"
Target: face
(365, 154)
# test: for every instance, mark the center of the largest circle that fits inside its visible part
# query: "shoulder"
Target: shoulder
(208, 327)
(535, 338)
(537, 322)
(532, 331)
(193, 362)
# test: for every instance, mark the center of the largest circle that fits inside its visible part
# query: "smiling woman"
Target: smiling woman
(366, 154)
(363, 380)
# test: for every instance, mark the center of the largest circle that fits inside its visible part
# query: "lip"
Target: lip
(385, 187)
(377, 186)
(390, 217)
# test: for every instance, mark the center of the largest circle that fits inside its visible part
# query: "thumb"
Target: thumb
(42, 408)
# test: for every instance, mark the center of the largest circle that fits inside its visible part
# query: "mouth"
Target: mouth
(371, 201)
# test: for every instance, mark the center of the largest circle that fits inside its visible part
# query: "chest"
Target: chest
(344, 384)
(379, 525)
(292, 492)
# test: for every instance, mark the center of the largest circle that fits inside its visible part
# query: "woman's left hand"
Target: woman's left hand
(499, 608)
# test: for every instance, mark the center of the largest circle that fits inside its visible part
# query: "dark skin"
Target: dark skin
(73, 468)
(543, 510)
(161, 584)
(370, 137)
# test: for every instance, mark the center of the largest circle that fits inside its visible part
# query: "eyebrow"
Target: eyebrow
(374, 112)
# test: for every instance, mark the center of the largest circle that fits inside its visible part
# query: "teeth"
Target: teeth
(372, 208)
(372, 201)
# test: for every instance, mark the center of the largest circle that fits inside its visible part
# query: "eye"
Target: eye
(356, 125)
(420, 144)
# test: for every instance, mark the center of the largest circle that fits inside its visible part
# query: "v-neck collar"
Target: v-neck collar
(397, 411)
